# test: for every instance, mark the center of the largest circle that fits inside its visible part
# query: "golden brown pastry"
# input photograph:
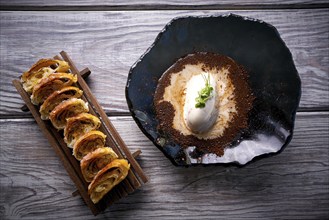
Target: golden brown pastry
(57, 65)
(40, 70)
(35, 78)
(88, 143)
(79, 125)
(107, 178)
(47, 86)
(66, 109)
(50, 85)
(58, 97)
(93, 162)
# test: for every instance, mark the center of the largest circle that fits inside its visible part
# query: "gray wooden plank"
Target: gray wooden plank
(110, 42)
(291, 185)
(160, 3)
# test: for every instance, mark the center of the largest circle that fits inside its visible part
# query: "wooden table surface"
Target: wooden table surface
(108, 37)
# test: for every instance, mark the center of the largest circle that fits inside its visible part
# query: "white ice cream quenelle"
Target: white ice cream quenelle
(200, 120)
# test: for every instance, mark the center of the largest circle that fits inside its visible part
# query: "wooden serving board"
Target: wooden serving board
(136, 176)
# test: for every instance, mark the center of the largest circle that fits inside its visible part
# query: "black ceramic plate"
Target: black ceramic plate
(273, 79)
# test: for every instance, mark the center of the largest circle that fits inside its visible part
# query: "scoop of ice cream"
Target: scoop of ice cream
(200, 119)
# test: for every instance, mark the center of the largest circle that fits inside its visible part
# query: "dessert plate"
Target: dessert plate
(273, 79)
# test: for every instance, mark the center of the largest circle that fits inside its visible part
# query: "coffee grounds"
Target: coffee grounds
(165, 111)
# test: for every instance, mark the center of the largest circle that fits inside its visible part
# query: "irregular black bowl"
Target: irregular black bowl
(273, 79)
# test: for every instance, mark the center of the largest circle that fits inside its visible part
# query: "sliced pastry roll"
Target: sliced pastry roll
(47, 86)
(35, 78)
(69, 108)
(107, 178)
(40, 70)
(79, 125)
(88, 143)
(93, 162)
(58, 97)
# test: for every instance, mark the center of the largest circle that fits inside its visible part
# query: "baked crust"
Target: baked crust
(69, 108)
(78, 125)
(108, 177)
(39, 71)
(94, 161)
(47, 86)
(88, 143)
(58, 97)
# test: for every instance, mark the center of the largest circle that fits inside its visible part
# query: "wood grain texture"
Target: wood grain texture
(110, 42)
(291, 185)
(159, 5)
(185, 3)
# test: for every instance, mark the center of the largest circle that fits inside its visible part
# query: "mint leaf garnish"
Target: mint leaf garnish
(205, 93)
